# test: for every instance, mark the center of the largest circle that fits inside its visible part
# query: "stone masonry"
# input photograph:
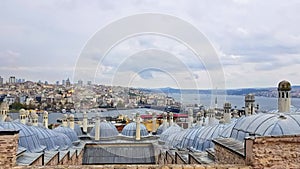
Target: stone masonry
(8, 148)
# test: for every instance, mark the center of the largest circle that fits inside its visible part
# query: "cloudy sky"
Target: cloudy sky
(258, 42)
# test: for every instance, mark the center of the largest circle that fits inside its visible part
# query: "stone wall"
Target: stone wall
(54, 160)
(273, 152)
(38, 161)
(227, 156)
(8, 148)
(65, 159)
(141, 167)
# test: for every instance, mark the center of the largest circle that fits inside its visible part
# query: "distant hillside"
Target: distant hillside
(267, 92)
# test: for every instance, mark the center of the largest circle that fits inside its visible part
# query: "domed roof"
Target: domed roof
(266, 124)
(163, 127)
(172, 129)
(205, 136)
(174, 139)
(130, 129)
(68, 132)
(62, 140)
(78, 130)
(106, 130)
(284, 86)
(189, 137)
(27, 137)
(46, 138)
(4, 106)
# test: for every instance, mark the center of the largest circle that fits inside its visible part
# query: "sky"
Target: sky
(257, 42)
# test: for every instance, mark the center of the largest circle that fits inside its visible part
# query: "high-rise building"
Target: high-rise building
(57, 83)
(1, 80)
(89, 82)
(12, 80)
(68, 83)
(80, 82)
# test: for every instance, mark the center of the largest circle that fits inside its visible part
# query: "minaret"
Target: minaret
(190, 118)
(97, 129)
(34, 119)
(22, 116)
(65, 121)
(153, 122)
(199, 119)
(138, 127)
(85, 121)
(45, 119)
(249, 104)
(284, 96)
(71, 122)
(227, 112)
(171, 118)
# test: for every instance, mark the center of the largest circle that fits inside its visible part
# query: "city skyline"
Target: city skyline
(257, 42)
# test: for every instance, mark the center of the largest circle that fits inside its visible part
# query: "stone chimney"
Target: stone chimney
(153, 122)
(9, 146)
(84, 122)
(45, 119)
(284, 96)
(35, 118)
(97, 129)
(71, 123)
(138, 127)
(249, 104)
(171, 118)
(199, 119)
(22, 116)
(65, 121)
(227, 113)
(190, 118)
(211, 117)
(165, 121)
(4, 108)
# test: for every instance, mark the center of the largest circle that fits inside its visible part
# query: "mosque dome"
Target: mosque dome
(46, 138)
(163, 127)
(172, 129)
(106, 130)
(266, 124)
(284, 86)
(68, 132)
(130, 129)
(27, 138)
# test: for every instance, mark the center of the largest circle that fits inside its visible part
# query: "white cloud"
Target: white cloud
(256, 39)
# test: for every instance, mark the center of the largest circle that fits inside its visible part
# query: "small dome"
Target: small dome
(266, 124)
(68, 132)
(78, 130)
(46, 138)
(172, 129)
(106, 130)
(130, 129)
(189, 137)
(284, 86)
(62, 140)
(27, 138)
(205, 136)
(163, 127)
(22, 112)
(174, 139)
(4, 106)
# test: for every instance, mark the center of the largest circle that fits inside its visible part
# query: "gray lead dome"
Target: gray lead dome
(106, 130)
(266, 125)
(130, 129)
(27, 138)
